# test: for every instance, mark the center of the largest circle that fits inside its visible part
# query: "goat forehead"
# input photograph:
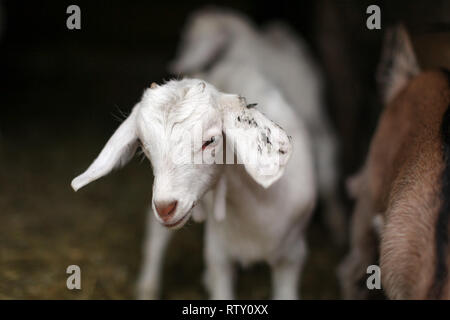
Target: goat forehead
(165, 129)
(171, 110)
(183, 115)
(178, 98)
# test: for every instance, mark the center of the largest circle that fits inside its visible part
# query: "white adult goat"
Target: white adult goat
(262, 223)
(223, 42)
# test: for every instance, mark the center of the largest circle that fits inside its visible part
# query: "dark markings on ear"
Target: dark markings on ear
(251, 105)
(279, 127)
(442, 224)
(265, 138)
(247, 118)
(264, 142)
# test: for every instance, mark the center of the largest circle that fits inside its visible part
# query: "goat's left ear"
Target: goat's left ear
(260, 144)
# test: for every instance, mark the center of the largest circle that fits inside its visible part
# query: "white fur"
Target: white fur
(256, 66)
(252, 215)
(236, 49)
(264, 225)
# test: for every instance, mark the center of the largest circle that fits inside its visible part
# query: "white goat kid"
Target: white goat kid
(224, 42)
(262, 224)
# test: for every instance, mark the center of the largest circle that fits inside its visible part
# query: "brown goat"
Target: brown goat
(403, 192)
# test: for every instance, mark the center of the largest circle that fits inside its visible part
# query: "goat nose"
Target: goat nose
(166, 209)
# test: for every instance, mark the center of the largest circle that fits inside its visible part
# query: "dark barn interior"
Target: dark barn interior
(65, 91)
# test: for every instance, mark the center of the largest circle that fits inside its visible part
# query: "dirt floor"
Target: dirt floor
(45, 227)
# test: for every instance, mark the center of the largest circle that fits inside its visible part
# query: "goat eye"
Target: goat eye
(207, 143)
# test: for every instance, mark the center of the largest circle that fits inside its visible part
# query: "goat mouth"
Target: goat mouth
(178, 222)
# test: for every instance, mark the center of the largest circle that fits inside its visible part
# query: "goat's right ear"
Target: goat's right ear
(398, 63)
(119, 149)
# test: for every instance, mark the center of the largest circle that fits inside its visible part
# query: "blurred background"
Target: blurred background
(63, 93)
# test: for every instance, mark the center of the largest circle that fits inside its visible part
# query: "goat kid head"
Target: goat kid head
(181, 127)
